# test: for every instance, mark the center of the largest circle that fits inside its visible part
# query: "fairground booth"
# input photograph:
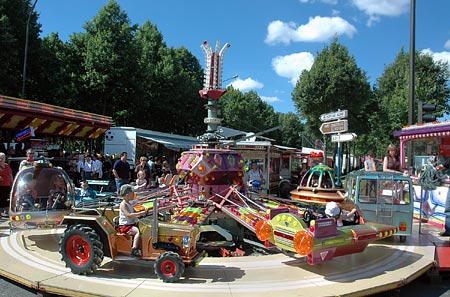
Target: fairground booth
(50, 130)
(430, 143)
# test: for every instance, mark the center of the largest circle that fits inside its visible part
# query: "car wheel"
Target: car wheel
(81, 249)
(169, 267)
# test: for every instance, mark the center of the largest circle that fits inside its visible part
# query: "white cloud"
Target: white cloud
(270, 99)
(246, 84)
(442, 56)
(376, 8)
(447, 44)
(318, 29)
(291, 66)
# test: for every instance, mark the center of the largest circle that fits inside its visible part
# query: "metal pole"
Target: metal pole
(412, 51)
(338, 175)
(25, 58)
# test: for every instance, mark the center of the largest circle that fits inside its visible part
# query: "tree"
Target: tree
(13, 19)
(392, 92)
(110, 65)
(247, 112)
(291, 129)
(334, 82)
(171, 79)
(54, 78)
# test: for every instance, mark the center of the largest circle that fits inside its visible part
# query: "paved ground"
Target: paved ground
(422, 286)
(39, 250)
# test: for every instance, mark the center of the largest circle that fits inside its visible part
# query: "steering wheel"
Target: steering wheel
(57, 198)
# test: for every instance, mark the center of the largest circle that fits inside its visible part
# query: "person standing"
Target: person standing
(391, 162)
(88, 168)
(158, 170)
(122, 171)
(29, 161)
(446, 232)
(143, 166)
(369, 163)
(151, 165)
(98, 167)
(6, 180)
(79, 169)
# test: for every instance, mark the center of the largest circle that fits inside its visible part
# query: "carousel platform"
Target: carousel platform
(31, 257)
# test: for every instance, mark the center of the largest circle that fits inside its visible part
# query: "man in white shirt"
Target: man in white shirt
(254, 174)
(88, 167)
(98, 166)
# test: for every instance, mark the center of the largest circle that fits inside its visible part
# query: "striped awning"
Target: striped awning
(18, 114)
(435, 129)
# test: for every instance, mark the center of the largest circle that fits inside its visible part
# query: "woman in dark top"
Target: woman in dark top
(391, 162)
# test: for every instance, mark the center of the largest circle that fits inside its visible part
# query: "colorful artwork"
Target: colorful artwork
(429, 205)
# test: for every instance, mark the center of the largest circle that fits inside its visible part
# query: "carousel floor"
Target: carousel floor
(31, 258)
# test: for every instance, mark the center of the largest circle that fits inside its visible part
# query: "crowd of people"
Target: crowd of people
(149, 172)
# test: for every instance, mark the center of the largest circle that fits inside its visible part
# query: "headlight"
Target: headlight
(186, 242)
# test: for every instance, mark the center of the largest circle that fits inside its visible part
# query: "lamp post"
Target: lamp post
(412, 66)
(233, 77)
(25, 58)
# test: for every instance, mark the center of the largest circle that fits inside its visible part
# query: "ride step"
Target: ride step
(126, 258)
(442, 255)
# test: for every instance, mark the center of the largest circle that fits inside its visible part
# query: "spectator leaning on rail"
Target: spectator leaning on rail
(391, 162)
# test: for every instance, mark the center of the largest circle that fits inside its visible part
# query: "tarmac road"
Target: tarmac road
(422, 286)
(9, 288)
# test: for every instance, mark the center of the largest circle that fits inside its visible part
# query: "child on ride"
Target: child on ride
(128, 218)
(141, 180)
(57, 192)
(86, 190)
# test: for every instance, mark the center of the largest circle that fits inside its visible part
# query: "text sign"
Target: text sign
(343, 137)
(334, 127)
(335, 115)
(25, 133)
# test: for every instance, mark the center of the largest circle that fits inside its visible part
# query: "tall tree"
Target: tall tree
(54, 78)
(334, 82)
(392, 92)
(247, 112)
(110, 63)
(291, 130)
(13, 22)
(171, 79)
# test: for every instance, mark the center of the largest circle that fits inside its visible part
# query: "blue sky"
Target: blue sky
(272, 41)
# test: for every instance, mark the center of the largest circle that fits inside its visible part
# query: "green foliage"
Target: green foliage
(13, 21)
(392, 93)
(110, 63)
(125, 71)
(292, 128)
(334, 82)
(247, 112)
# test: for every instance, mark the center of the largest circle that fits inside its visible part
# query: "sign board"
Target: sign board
(343, 137)
(335, 115)
(214, 121)
(334, 127)
(25, 133)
